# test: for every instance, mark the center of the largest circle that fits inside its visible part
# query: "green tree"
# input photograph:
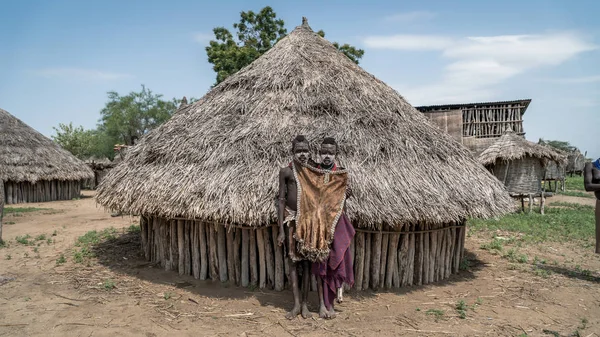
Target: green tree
(129, 117)
(256, 34)
(558, 144)
(76, 140)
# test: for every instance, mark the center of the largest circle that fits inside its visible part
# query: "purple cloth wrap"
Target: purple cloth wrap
(337, 268)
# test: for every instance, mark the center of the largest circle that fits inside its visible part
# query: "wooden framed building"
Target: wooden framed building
(34, 168)
(204, 181)
(478, 125)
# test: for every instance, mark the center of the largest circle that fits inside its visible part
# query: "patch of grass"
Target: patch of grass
(461, 308)
(574, 223)
(134, 229)
(49, 241)
(584, 322)
(94, 237)
(495, 246)
(577, 194)
(544, 273)
(522, 258)
(83, 253)
(61, 260)
(80, 256)
(8, 257)
(18, 211)
(574, 183)
(26, 255)
(108, 284)
(418, 309)
(437, 313)
(40, 237)
(9, 223)
(55, 233)
(24, 240)
(3, 244)
(167, 295)
(465, 264)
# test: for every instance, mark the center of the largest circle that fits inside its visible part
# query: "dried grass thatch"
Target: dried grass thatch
(218, 159)
(575, 162)
(511, 146)
(27, 155)
(519, 164)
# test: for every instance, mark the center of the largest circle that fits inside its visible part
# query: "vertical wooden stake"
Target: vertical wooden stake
(203, 250)
(245, 257)
(237, 258)
(269, 256)
(213, 255)
(367, 267)
(359, 260)
(222, 252)
(279, 271)
(230, 256)
(195, 249)
(383, 260)
(375, 260)
(392, 259)
(253, 262)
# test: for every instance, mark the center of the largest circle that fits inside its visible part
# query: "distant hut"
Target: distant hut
(204, 181)
(34, 168)
(518, 163)
(576, 162)
(100, 166)
(555, 170)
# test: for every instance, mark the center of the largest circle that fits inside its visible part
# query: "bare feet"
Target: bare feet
(340, 295)
(323, 313)
(332, 313)
(295, 312)
(305, 313)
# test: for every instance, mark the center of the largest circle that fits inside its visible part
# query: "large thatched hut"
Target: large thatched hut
(518, 163)
(34, 168)
(555, 171)
(204, 182)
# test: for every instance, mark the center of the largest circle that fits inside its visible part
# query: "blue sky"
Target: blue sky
(59, 58)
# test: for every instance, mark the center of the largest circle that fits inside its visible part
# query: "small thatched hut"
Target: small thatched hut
(556, 170)
(204, 181)
(576, 162)
(34, 168)
(100, 166)
(518, 163)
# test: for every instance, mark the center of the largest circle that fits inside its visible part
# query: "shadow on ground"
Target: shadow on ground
(123, 255)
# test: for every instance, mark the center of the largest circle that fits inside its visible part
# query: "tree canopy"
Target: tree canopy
(256, 33)
(122, 120)
(558, 144)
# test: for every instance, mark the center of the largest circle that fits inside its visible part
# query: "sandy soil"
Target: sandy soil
(46, 299)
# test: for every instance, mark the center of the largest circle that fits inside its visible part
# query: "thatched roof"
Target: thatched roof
(27, 155)
(511, 146)
(219, 158)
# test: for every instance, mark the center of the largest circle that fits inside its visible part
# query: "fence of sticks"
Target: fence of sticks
(41, 191)
(250, 256)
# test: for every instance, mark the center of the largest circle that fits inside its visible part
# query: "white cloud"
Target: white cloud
(203, 37)
(81, 73)
(409, 42)
(574, 80)
(478, 64)
(414, 16)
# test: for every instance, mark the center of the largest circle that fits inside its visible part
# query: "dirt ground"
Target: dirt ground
(40, 298)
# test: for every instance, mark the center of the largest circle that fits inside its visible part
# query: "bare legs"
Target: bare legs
(323, 312)
(300, 307)
(597, 226)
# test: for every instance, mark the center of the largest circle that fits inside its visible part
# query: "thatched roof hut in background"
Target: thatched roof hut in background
(518, 163)
(100, 167)
(555, 170)
(33, 167)
(216, 162)
(575, 162)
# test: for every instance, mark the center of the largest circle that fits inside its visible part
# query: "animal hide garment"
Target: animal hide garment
(321, 197)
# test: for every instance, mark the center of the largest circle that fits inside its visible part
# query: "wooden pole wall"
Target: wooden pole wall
(41, 191)
(417, 255)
